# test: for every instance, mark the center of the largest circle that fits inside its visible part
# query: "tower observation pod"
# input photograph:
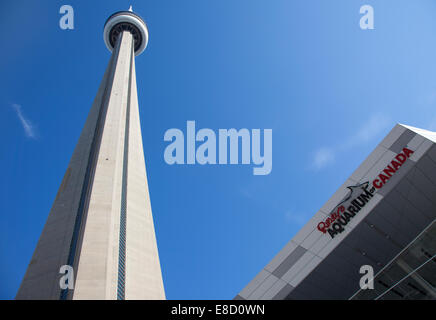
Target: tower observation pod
(99, 240)
(126, 21)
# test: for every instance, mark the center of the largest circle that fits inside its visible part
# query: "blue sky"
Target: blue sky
(328, 90)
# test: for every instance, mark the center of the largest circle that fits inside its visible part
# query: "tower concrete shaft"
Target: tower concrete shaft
(101, 222)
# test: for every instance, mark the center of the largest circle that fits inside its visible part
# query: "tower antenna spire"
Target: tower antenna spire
(130, 9)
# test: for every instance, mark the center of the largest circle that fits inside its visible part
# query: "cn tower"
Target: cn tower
(101, 224)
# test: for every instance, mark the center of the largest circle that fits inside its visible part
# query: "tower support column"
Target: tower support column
(101, 221)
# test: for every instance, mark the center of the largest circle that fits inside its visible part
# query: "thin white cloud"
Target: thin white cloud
(246, 193)
(298, 219)
(431, 125)
(323, 157)
(29, 128)
(370, 129)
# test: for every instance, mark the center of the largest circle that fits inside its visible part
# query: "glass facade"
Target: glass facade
(411, 275)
